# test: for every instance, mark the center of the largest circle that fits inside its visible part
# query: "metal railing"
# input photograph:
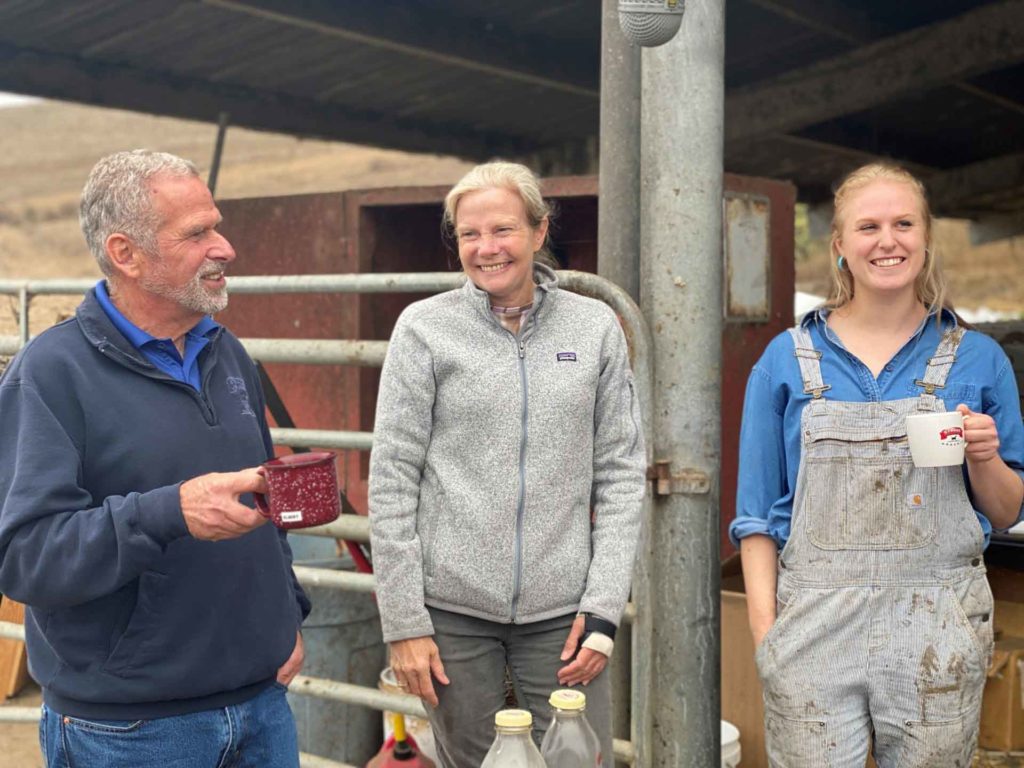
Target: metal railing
(359, 353)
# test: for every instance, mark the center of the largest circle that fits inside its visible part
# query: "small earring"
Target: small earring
(840, 262)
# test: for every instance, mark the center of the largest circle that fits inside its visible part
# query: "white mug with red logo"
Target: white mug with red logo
(936, 439)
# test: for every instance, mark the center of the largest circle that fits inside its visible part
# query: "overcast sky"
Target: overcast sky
(14, 100)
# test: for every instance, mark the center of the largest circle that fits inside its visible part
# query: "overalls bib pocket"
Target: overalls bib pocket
(866, 494)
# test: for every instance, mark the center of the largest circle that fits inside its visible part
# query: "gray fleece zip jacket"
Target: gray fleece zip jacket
(489, 450)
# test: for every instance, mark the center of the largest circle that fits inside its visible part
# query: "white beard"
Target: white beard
(193, 296)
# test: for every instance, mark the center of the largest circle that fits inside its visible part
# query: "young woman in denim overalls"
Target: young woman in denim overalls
(873, 624)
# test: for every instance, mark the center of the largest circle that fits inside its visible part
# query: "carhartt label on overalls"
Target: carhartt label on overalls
(915, 501)
(884, 614)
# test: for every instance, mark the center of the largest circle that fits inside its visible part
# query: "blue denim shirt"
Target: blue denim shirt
(982, 378)
(161, 352)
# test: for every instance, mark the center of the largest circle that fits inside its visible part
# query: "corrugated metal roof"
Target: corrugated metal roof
(461, 77)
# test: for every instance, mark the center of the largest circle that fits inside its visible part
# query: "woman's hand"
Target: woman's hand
(588, 663)
(414, 661)
(997, 489)
(980, 434)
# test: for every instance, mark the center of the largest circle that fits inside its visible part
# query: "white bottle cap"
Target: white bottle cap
(565, 698)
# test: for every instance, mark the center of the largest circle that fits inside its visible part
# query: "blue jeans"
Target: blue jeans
(259, 733)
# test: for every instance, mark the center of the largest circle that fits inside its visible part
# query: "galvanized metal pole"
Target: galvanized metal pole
(618, 204)
(618, 243)
(681, 296)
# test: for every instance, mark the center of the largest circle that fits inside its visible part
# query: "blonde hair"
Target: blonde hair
(930, 286)
(514, 177)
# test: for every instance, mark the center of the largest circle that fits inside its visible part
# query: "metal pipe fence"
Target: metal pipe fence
(359, 353)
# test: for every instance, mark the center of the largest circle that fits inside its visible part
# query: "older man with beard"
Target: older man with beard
(163, 613)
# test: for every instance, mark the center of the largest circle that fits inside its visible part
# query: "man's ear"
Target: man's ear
(125, 257)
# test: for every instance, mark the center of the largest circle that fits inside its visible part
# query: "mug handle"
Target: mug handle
(262, 505)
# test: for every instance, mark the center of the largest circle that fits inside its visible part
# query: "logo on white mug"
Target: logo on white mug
(951, 436)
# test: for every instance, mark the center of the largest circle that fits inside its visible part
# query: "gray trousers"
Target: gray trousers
(475, 654)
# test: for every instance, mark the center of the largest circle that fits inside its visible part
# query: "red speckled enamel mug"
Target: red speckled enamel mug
(302, 490)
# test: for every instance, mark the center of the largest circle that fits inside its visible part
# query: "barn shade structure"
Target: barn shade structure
(813, 87)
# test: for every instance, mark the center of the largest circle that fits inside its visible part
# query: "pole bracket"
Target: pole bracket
(687, 481)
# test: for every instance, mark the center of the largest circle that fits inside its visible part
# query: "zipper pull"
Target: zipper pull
(522, 349)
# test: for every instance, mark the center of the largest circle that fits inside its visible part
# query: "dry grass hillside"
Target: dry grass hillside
(47, 149)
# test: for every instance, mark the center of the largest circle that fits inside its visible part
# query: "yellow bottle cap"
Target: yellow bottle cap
(565, 698)
(513, 718)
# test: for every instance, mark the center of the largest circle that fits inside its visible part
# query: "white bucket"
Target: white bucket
(414, 726)
(730, 745)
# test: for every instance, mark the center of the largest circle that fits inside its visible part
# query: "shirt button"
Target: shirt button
(888, 368)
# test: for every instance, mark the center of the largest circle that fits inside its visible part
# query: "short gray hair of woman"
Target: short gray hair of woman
(116, 199)
(514, 177)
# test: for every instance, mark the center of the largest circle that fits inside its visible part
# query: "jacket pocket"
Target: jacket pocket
(143, 627)
(430, 517)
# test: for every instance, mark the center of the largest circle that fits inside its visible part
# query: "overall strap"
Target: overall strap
(940, 363)
(809, 359)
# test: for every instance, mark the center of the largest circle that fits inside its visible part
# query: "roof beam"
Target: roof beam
(825, 17)
(989, 38)
(106, 85)
(397, 26)
(988, 229)
(856, 26)
(976, 186)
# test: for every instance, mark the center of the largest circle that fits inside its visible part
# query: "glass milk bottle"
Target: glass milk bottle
(570, 741)
(513, 745)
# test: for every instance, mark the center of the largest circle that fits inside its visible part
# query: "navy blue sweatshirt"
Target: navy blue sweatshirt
(128, 616)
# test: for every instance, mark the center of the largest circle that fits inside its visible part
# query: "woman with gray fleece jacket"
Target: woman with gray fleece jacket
(506, 413)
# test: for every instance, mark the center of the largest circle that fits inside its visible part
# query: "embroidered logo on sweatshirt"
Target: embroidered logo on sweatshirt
(236, 387)
(566, 357)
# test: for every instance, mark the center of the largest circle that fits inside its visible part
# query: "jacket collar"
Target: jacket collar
(544, 279)
(100, 331)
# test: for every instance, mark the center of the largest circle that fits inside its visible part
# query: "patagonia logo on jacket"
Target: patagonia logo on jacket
(566, 357)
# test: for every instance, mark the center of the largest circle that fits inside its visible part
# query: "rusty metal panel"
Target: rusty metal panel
(743, 342)
(746, 242)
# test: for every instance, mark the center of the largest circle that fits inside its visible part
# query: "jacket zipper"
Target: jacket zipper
(150, 372)
(517, 559)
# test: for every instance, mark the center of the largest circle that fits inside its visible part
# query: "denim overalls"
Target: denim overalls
(884, 623)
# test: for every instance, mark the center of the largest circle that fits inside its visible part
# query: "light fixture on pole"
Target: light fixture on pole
(650, 22)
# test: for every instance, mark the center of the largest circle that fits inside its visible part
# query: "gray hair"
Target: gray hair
(514, 177)
(116, 199)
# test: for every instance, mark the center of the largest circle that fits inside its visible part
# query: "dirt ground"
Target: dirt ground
(19, 742)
